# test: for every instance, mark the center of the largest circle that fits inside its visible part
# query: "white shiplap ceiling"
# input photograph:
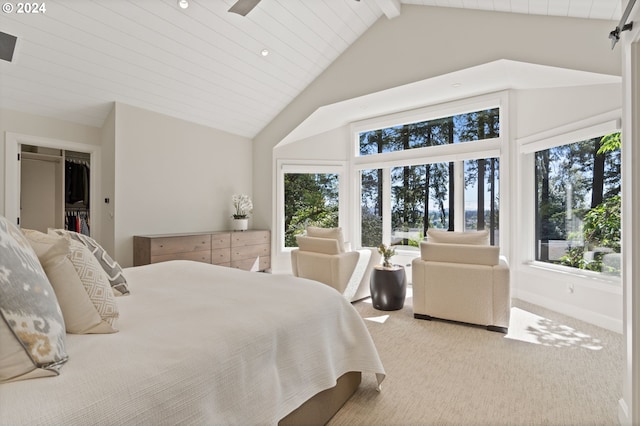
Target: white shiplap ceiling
(202, 64)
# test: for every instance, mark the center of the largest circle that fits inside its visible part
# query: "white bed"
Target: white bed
(201, 344)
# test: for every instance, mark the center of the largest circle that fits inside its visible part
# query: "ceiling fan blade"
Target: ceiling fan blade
(242, 7)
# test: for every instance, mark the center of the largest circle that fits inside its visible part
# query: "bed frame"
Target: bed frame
(320, 408)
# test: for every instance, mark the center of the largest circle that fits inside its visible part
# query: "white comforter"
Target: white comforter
(201, 344)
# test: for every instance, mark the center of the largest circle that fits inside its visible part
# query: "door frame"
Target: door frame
(13, 142)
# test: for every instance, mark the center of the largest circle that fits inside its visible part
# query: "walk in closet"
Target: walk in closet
(54, 189)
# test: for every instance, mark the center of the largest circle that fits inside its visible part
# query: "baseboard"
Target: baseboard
(610, 323)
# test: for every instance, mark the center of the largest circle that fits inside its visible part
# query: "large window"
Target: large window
(428, 196)
(410, 190)
(310, 199)
(577, 188)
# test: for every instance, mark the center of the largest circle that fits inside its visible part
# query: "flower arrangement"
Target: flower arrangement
(387, 253)
(242, 206)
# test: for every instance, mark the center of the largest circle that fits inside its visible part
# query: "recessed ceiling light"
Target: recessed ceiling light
(264, 52)
(183, 4)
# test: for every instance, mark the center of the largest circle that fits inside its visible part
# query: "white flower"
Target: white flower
(242, 205)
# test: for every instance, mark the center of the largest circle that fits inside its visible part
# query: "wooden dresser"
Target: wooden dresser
(247, 250)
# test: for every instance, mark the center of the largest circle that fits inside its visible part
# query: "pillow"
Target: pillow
(333, 233)
(32, 330)
(448, 237)
(110, 266)
(83, 291)
(318, 245)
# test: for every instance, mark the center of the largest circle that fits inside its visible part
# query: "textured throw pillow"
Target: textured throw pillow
(95, 282)
(333, 233)
(32, 329)
(448, 237)
(110, 266)
(86, 304)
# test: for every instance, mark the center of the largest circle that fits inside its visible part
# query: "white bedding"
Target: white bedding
(201, 344)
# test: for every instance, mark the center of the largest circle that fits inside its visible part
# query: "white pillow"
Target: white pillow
(333, 233)
(448, 237)
(82, 288)
(317, 245)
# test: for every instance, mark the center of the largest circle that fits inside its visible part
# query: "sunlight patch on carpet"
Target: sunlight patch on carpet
(528, 327)
(381, 319)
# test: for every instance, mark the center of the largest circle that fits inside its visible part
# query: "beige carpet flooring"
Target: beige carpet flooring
(549, 369)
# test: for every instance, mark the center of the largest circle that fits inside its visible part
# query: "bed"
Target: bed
(205, 344)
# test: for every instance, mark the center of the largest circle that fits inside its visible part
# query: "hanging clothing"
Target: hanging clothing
(76, 182)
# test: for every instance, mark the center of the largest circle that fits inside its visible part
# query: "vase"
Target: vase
(240, 224)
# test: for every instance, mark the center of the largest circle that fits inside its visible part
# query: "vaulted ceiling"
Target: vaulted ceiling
(202, 64)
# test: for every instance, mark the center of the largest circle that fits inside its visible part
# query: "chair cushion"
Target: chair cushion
(318, 245)
(460, 253)
(332, 233)
(448, 237)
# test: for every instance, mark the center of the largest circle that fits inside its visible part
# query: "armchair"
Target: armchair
(321, 256)
(459, 277)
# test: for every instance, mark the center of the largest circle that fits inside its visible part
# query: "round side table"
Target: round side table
(388, 287)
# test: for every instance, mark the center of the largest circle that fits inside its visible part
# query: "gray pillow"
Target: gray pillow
(110, 266)
(32, 329)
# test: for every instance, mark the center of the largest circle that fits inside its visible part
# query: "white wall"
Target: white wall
(173, 176)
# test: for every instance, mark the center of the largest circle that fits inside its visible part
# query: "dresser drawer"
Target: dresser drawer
(249, 252)
(247, 238)
(221, 256)
(199, 256)
(180, 244)
(220, 240)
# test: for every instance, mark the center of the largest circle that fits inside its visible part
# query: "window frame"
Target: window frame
(457, 153)
(309, 167)
(592, 127)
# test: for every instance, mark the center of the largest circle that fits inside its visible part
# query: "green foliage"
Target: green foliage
(602, 223)
(610, 143)
(310, 200)
(387, 253)
(601, 229)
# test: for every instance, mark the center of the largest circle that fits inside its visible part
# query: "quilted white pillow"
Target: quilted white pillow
(82, 288)
(32, 330)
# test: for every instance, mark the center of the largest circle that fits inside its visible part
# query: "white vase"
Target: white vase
(239, 224)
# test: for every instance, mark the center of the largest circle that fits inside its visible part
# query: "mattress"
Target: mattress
(201, 344)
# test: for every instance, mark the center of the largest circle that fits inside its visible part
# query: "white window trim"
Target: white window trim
(487, 148)
(285, 166)
(589, 128)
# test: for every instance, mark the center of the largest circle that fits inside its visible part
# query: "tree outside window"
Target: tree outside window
(578, 204)
(310, 199)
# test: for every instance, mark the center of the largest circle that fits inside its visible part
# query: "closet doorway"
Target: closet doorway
(51, 183)
(54, 189)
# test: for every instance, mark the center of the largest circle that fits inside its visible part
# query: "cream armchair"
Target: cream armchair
(321, 256)
(459, 277)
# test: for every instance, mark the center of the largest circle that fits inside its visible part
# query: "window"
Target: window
(423, 174)
(471, 126)
(310, 199)
(577, 203)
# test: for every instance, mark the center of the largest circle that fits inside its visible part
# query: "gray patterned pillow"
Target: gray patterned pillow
(32, 329)
(110, 266)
